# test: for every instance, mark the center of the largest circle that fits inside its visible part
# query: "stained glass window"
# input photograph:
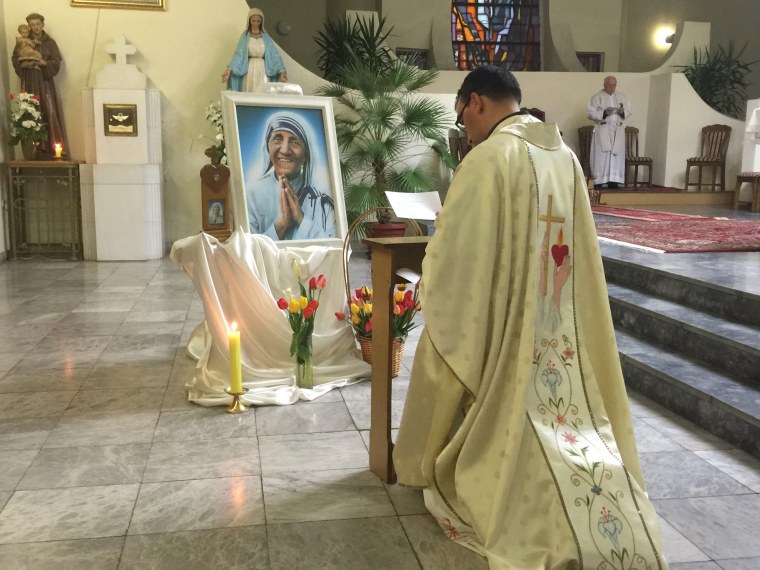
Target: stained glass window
(501, 32)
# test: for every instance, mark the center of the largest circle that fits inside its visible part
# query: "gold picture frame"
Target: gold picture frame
(119, 120)
(123, 4)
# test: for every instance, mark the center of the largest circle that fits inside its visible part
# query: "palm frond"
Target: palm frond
(415, 179)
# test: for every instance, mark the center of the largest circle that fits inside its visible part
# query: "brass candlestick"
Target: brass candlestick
(237, 406)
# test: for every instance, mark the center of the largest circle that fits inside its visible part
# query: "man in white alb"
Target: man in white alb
(608, 109)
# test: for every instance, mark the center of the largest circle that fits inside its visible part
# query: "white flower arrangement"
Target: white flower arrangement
(216, 152)
(26, 118)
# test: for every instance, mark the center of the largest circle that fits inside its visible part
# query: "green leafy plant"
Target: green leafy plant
(342, 41)
(384, 131)
(720, 78)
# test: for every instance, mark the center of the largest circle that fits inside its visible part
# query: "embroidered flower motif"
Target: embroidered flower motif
(568, 354)
(560, 420)
(535, 356)
(610, 526)
(551, 378)
(596, 489)
(570, 438)
(448, 528)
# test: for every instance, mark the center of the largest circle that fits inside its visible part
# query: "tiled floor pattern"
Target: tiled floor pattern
(104, 465)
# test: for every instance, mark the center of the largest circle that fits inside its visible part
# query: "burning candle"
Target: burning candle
(236, 370)
(58, 150)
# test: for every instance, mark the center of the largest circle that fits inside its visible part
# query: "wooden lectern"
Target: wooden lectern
(388, 255)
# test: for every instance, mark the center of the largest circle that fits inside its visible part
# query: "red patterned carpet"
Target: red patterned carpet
(643, 215)
(684, 236)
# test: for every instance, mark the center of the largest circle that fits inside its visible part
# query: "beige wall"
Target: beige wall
(737, 19)
(306, 19)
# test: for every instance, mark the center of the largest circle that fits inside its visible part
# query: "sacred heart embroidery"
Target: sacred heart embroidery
(559, 253)
(215, 176)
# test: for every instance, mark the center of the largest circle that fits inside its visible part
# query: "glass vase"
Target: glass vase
(305, 372)
(29, 149)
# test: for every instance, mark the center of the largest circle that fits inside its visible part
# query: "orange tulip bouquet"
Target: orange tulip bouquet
(302, 312)
(405, 306)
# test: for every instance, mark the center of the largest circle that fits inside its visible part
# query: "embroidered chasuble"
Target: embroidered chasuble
(517, 422)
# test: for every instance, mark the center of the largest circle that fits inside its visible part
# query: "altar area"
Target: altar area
(240, 281)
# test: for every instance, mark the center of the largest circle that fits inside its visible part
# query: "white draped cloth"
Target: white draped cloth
(608, 145)
(240, 281)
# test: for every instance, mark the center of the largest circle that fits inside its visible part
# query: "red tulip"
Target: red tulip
(313, 304)
(321, 282)
(36, 97)
(408, 294)
(308, 312)
(313, 283)
(340, 315)
(283, 304)
(368, 326)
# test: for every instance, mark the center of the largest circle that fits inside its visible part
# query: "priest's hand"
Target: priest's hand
(226, 75)
(561, 275)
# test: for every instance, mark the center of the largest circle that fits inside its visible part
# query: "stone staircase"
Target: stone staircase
(691, 346)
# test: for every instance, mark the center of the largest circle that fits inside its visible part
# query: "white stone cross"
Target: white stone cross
(121, 49)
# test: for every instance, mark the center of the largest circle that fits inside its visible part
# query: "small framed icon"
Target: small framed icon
(120, 120)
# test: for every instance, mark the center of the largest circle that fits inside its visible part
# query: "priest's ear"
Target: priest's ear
(476, 102)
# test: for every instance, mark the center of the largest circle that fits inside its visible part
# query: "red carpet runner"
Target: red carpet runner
(684, 236)
(643, 215)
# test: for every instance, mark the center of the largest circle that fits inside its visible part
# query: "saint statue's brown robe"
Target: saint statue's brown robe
(39, 81)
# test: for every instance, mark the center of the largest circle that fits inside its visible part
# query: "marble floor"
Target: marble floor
(104, 465)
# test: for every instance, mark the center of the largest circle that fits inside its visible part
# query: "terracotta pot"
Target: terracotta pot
(392, 229)
(378, 230)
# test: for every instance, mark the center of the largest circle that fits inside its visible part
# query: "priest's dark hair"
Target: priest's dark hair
(494, 82)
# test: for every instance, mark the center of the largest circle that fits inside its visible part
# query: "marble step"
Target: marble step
(730, 303)
(720, 342)
(711, 399)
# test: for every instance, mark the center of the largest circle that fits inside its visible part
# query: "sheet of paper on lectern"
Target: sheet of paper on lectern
(412, 276)
(418, 206)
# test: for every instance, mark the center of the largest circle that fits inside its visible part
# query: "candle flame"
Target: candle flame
(560, 237)
(234, 327)
(57, 146)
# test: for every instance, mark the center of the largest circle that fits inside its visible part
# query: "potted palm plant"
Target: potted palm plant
(385, 131)
(720, 78)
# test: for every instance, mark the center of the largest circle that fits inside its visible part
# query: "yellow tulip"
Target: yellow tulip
(354, 308)
(368, 308)
(355, 319)
(398, 296)
(303, 302)
(294, 306)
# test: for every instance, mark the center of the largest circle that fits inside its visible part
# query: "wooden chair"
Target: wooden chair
(458, 144)
(713, 153)
(754, 179)
(585, 134)
(632, 158)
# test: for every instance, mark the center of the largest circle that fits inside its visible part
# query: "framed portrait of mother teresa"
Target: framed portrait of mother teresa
(282, 151)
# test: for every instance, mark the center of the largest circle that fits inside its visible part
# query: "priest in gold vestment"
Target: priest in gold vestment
(517, 425)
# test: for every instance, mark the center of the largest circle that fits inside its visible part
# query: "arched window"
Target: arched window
(502, 32)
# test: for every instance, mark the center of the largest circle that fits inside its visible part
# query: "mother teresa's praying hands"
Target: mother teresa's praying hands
(291, 213)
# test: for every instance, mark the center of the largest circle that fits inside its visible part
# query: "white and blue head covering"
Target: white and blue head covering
(289, 123)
